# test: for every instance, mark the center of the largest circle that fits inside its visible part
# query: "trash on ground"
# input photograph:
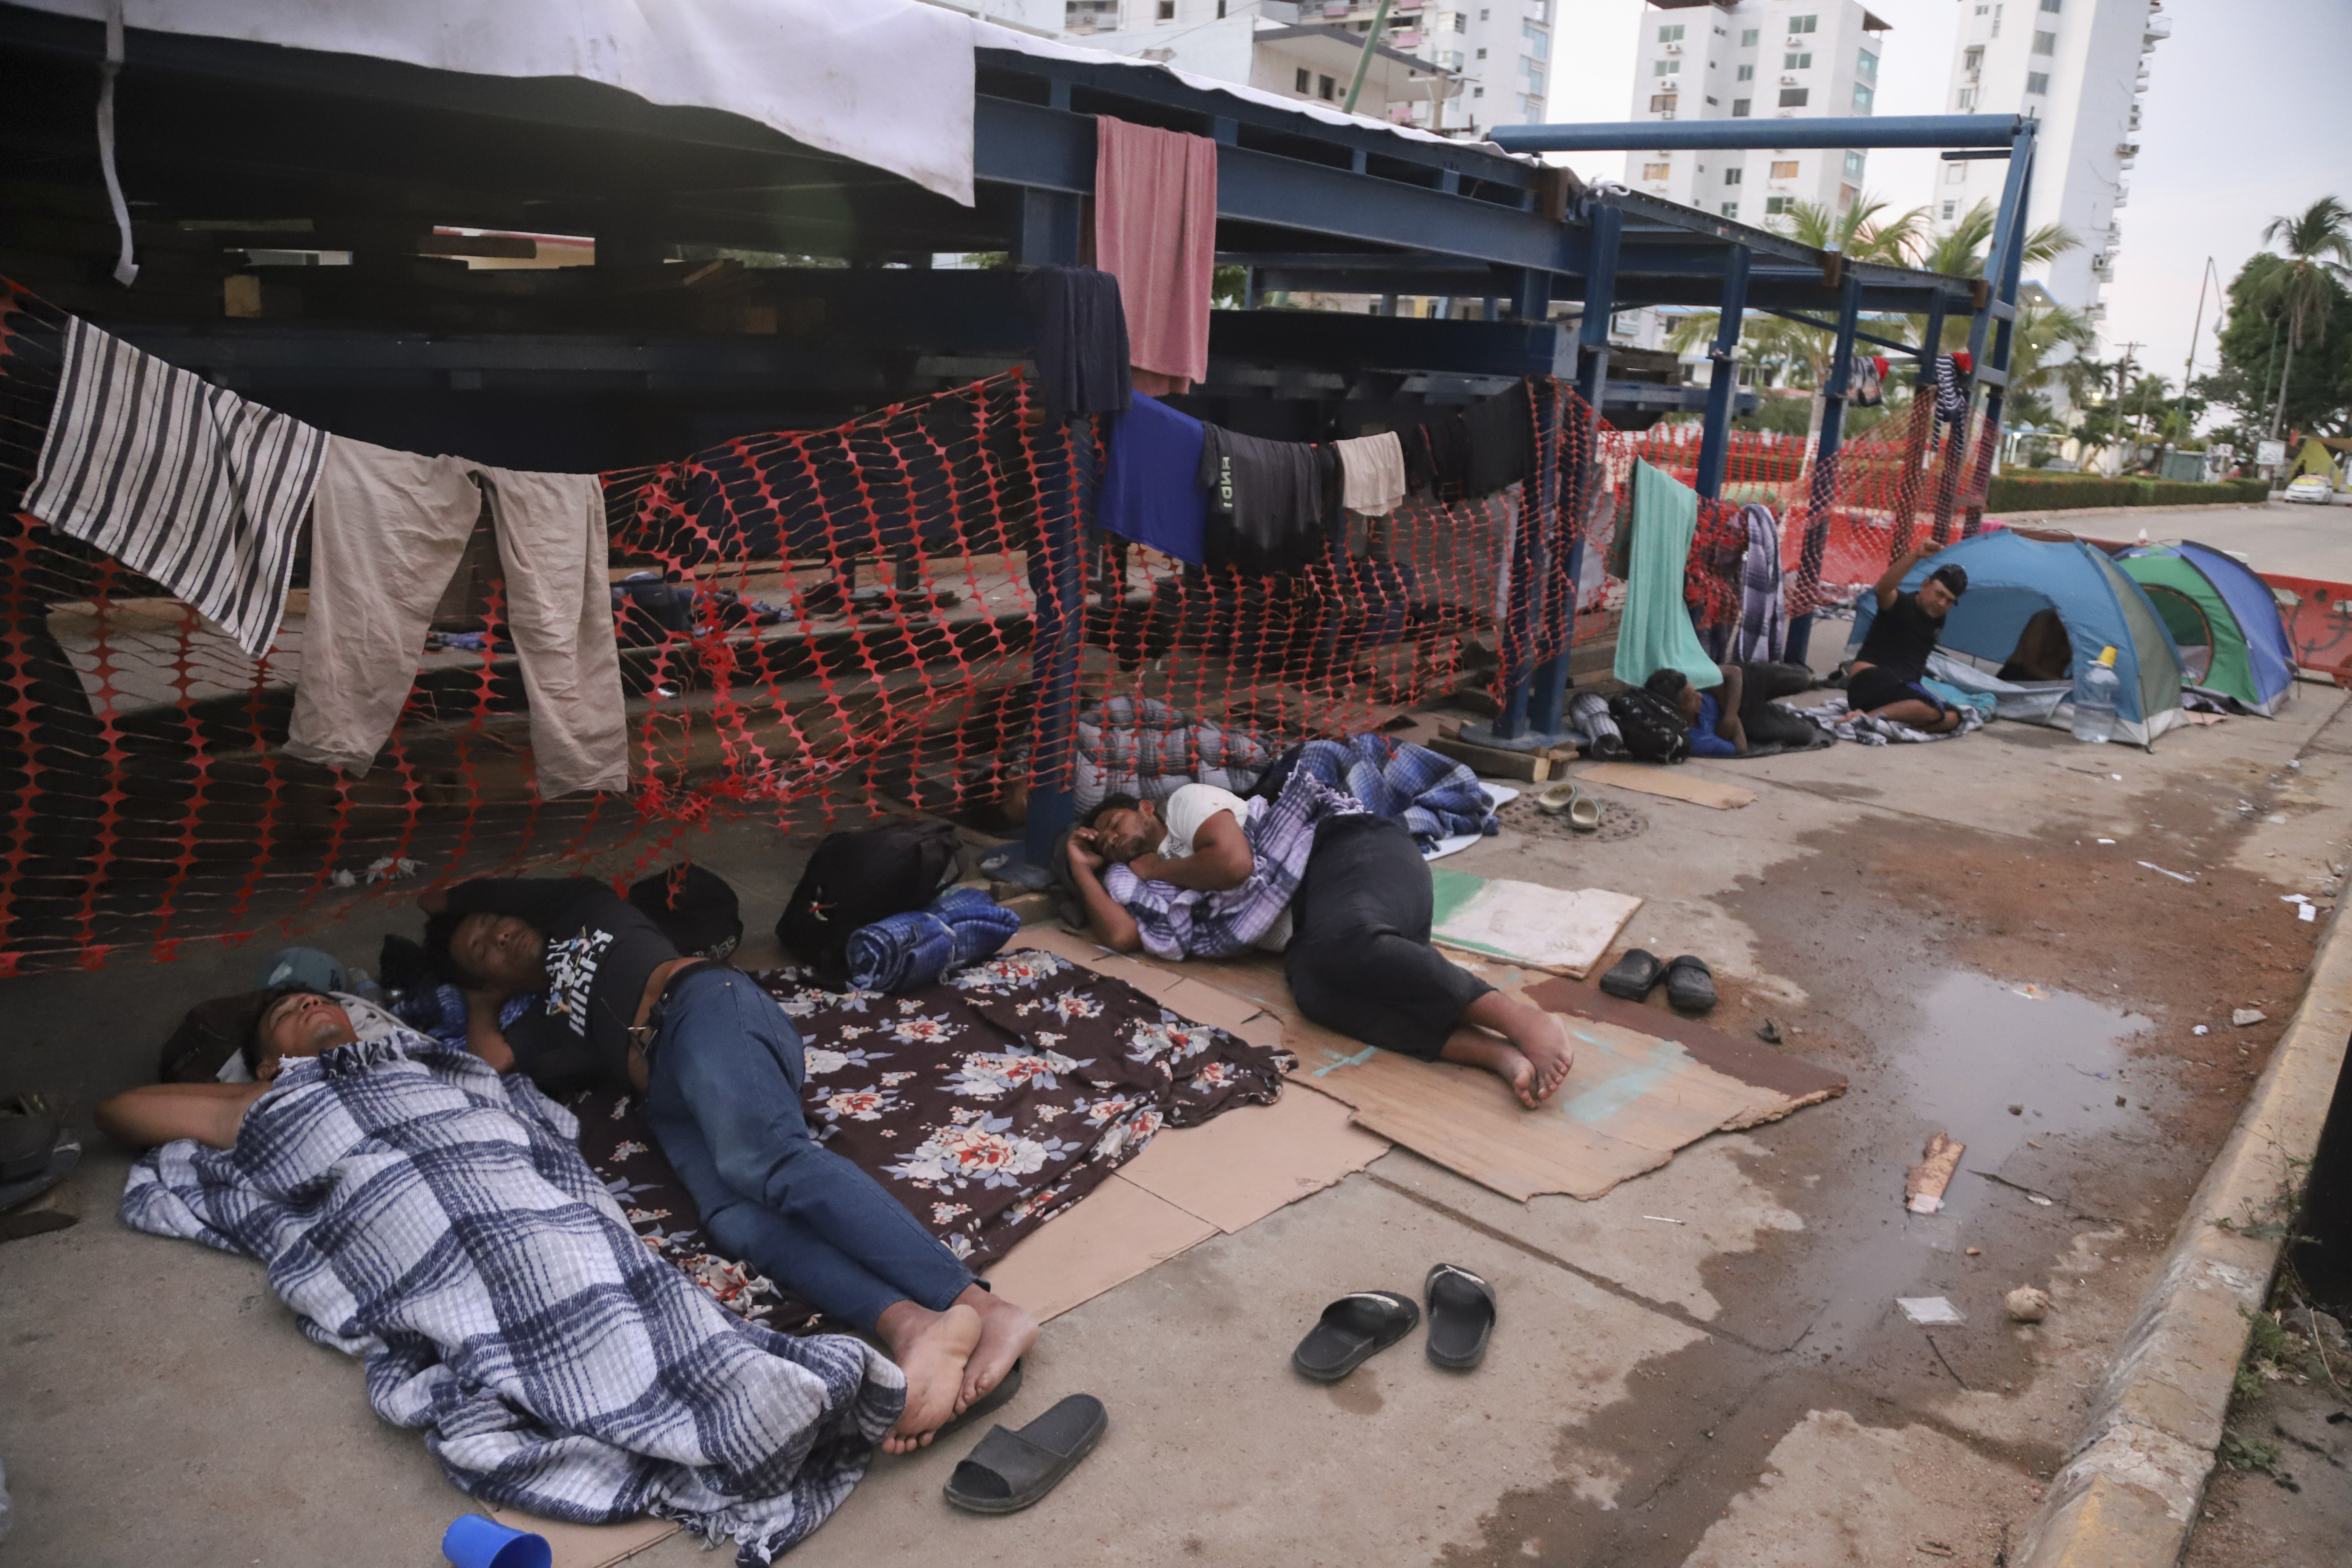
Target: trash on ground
(2106, 841)
(1924, 1183)
(2197, 1030)
(1930, 1309)
(2162, 872)
(2039, 1201)
(2306, 912)
(1770, 1034)
(2246, 1016)
(2027, 1303)
(2033, 993)
(2016, 1110)
(2294, 899)
(1662, 1219)
(1934, 1549)
(1975, 1252)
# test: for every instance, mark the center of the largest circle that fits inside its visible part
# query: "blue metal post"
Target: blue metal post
(1058, 585)
(2004, 265)
(1723, 375)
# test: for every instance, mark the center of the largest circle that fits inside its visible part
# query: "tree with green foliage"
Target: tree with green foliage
(2317, 242)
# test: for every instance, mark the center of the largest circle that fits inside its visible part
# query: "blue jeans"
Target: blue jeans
(724, 1099)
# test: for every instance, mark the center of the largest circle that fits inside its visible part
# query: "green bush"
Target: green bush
(2061, 492)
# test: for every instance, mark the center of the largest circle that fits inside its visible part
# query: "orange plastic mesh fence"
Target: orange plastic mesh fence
(838, 622)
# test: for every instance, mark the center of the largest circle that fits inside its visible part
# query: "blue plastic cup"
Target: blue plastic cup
(473, 1541)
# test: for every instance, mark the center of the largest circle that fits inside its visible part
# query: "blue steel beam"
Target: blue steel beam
(1723, 377)
(1870, 131)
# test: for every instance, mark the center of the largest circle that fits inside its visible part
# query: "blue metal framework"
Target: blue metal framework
(229, 128)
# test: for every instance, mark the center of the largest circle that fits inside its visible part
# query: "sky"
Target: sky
(2247, 117)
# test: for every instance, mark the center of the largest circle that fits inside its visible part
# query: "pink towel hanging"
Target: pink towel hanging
(1156, 232)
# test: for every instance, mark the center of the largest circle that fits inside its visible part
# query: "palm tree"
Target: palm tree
(2318, 246)
(1959, 252)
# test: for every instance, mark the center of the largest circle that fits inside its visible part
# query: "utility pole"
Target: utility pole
(1364, 58)
(2190, 368)
(2123, 387)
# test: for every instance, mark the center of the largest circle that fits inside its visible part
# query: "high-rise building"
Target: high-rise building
(1763, 59)
(1455, 66)
(2081, 67)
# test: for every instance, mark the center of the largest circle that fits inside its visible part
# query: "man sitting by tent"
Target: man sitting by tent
(1343, 892)
(436, 1220)
(1889, 673)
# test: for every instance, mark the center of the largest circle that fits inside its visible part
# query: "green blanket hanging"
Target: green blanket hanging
(1655, 632)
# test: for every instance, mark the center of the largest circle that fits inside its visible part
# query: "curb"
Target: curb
(2055, 517)
(2129, 1494)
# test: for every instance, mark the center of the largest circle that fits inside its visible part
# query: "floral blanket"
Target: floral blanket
(987, 1103)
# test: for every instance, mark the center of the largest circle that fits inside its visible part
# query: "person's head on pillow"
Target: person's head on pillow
(297, 1022)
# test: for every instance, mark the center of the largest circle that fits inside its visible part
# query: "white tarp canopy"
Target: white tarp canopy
(887, 83)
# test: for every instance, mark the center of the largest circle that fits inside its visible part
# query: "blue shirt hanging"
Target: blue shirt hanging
(1150, 486)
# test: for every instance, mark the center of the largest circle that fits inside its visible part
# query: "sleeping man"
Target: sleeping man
(721, 1069)
(435, 1219)
(1343, 893)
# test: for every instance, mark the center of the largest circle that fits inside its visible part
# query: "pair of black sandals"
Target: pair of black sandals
(1359, 1326)
(1690, 985)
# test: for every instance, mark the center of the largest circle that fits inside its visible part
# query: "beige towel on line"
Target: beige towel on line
(1371, 473)
(387, 530)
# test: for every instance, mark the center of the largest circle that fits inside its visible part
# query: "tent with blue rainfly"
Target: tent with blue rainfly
(2010, 580)
(2224, 619)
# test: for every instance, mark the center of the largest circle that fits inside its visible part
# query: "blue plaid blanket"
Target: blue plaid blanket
(962, 925)
(1435, 796)
(1179, 922)
(435, 1220)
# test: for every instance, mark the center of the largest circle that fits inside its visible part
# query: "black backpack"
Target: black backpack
(1653, 730)
(857, 878)
(695, 908)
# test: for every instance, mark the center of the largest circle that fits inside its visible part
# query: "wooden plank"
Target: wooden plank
(1536, 767)
(1671, 782)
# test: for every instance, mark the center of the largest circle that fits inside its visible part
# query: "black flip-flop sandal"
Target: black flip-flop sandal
(1009, 1470)
(1690, 985)
(1632, 977)
(995, 1399)
(1352, 1331)
(1461, 1317)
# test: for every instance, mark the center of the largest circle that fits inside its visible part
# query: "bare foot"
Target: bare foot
(1543, 1039)
(932, 1349)
(1473, 1047)
(1006, 1332)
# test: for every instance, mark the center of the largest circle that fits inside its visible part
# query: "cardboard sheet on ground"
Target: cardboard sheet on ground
(1671, 782)
(1556, 929)
(1191, 1182)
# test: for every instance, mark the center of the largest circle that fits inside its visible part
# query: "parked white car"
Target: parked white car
(2312, 488)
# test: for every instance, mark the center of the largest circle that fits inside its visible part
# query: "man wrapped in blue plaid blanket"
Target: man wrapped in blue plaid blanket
(420, 1212)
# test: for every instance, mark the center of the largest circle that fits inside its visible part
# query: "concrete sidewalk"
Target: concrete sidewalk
(1705, 1367)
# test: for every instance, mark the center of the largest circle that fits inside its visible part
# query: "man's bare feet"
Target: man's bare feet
(932, 1349)
(1006, 1332)
(1475, 1048)
(1538, 1037)
(1542, 1038)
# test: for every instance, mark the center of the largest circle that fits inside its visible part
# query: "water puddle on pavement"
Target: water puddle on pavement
(1979, 1048)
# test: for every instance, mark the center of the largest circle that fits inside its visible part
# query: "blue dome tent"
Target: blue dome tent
(2010, 579)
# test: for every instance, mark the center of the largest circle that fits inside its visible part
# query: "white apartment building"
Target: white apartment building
(2081, 67)
(1739, 59)
(1449, 65)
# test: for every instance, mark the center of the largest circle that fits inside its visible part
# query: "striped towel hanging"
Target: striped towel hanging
(180, 480)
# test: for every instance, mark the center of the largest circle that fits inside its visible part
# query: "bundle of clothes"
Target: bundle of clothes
(1148, 749)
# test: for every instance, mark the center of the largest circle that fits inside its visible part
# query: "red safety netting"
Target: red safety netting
(910, 608)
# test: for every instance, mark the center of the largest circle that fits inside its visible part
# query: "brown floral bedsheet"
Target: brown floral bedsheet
(986, 1103)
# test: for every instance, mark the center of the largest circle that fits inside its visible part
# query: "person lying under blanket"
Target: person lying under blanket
(419, 1211)
(721, 1069)
(1342, 893)
(1739, 715)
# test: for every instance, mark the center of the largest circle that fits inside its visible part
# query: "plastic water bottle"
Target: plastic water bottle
(2094, 700)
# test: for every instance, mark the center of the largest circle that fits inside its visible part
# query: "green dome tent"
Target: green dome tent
(2224, 619)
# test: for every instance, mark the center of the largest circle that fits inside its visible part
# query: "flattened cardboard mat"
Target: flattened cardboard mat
(1645, 1082)
(1564, 931)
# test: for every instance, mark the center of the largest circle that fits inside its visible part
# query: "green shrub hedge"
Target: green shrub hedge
(2062, 492)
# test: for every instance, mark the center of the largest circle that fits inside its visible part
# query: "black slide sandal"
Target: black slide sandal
(995, 1399)
(1690, 985)
(1461, 1317)
(1633, 976)
(1352, 1331)
(1009, 1470)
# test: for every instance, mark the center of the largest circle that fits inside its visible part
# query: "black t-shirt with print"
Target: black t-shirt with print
(1900, 638)
(600, 949)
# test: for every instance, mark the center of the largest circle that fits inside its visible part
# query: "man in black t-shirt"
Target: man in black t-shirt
(1889, 673)
(721, 1069)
